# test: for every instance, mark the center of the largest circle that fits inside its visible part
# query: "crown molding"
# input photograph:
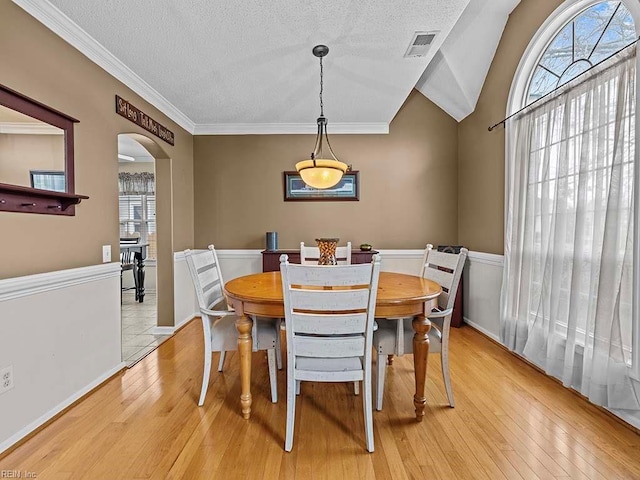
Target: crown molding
(69, 31)
(21, 128)
(289, 129)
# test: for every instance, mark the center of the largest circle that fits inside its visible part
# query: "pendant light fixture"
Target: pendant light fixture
(321, 171)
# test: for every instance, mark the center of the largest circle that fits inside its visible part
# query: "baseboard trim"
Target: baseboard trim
(163, 330)
(482, 330)
(34, 427)
(173, 330)
(184, 322)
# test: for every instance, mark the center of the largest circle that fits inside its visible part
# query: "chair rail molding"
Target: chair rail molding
(11, 288)
(487, 258)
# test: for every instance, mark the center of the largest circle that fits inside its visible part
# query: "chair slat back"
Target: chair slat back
(322, 300)
(207, 278)
(329, 310)
(126, 257)
(311, 255)
(326, 347)
(310, 324)
(446, 270)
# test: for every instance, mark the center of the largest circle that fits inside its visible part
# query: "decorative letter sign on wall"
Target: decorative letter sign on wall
(137, 116)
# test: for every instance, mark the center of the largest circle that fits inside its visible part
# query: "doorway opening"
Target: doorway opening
(138, 249)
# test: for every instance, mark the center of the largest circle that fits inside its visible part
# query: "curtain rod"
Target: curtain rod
(563, 85)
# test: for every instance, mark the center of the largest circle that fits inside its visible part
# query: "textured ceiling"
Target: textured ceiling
(250, 62)
(247, 67)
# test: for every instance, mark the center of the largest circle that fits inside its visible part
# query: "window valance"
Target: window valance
(136, 183)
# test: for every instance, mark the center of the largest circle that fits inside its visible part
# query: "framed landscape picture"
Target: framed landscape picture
(347, 189)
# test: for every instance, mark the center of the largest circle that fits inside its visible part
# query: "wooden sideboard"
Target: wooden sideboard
(271, 258)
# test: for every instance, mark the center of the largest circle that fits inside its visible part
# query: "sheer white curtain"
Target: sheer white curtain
(567, 289)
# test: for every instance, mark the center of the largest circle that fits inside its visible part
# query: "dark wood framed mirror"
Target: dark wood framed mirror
(35, 138)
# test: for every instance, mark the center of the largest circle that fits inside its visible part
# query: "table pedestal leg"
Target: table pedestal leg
(420, 353)
(244, 324)
(140, 277)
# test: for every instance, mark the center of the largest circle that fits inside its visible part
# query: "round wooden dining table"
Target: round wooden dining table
(399, 296)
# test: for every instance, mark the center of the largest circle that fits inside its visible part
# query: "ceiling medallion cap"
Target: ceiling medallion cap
(320, 51)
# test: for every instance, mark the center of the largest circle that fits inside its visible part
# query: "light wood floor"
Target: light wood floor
(510, 422)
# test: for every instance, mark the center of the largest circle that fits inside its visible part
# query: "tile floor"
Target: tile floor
(138, 320)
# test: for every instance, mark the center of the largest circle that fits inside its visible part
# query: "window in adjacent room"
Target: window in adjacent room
(137, 207)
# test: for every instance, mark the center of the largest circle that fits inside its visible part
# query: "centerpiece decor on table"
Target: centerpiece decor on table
(327, 247)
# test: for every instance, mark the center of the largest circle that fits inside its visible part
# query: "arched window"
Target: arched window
(572, 254)
(592, 36)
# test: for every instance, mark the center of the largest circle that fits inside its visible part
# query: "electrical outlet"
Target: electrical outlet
(106, 253)
(6, 379)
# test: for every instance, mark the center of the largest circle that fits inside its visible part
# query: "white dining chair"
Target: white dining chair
(329, 313)
(219, 319)
(395, 336)
(310, 255)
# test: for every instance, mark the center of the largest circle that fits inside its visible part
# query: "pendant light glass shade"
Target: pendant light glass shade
(319, 172)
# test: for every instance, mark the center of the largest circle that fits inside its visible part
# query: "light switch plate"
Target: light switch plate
(106, 253)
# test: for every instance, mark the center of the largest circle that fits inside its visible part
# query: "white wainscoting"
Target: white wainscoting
(481, 287)
(401, 261)
(185, 303)
(61, 333)
(236, 263)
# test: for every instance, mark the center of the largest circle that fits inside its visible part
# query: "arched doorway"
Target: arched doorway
(145, 215)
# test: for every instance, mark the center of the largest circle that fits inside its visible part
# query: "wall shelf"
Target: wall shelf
(16, 198)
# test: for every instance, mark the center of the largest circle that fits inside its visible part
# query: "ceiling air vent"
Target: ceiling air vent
(420, 44)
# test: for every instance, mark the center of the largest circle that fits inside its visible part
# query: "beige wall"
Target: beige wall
(429, 180)
(19, 154)
(408, 186)
(42, 66)
(481, 153)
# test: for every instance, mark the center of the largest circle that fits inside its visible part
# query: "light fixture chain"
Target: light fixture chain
(321, 88)
(322, 171)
